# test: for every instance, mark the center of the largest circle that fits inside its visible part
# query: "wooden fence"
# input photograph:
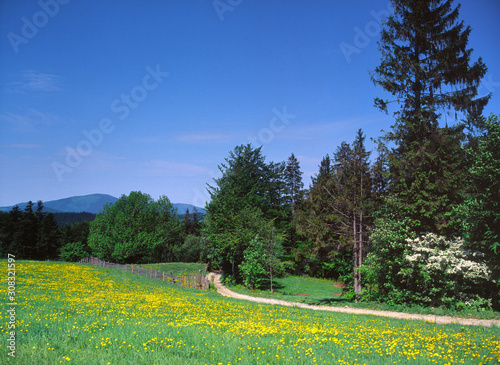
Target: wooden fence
(188, 281)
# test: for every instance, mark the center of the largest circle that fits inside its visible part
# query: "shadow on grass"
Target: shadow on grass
(266, 285)
(331, 301)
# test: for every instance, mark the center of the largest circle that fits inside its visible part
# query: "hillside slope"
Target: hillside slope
(92, 203)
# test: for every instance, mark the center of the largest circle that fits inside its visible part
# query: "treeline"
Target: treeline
(29, 234)
(68, 218)
(430, 246)
(261, 222)
(36, 235)
(419, 223)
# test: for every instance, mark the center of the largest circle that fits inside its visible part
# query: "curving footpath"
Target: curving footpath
(221, 289)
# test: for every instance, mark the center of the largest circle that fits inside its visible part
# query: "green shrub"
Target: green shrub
(252, 268)
(193, 249)
(383, 264)
(441, 272)
(74, 251)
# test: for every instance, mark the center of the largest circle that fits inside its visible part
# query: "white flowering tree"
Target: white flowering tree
(438, 271)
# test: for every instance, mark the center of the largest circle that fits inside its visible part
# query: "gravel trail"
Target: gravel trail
(221, 289)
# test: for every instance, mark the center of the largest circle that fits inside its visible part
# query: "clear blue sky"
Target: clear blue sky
(114, 96)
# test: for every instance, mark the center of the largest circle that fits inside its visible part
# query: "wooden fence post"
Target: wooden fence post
(198, 281)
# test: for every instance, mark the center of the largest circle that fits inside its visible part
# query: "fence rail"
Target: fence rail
(198, 281)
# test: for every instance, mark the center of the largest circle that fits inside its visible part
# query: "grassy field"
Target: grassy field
(300, 289)
(327, 292)
(74, 313)
(178, 268)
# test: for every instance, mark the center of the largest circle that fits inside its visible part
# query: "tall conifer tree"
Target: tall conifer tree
(293, 181)
(249, 192)
(426, 65)
(337, 210)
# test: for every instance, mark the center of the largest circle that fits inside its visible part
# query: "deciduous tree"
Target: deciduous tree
(136, 229)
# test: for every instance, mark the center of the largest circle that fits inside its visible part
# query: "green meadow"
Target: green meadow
(81, 314)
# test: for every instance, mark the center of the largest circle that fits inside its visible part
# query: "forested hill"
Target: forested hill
(68, 218)
(92, 203)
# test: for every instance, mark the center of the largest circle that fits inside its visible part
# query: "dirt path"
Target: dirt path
(216, 279)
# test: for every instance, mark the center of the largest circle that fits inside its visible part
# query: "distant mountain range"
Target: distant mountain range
(92, 203)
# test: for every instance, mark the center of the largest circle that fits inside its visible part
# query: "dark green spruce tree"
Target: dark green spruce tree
(195, 223)
(350, 192)
(325, 172)
(337, 211)
(293, 182)
(248, 196)
(294, 193)
(481, 208)
(187, 223)
(318, 225)
(427, 68)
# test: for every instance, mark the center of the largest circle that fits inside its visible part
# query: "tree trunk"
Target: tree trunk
(271, 275)
(355, 258)
(360, 243)
(360, 248)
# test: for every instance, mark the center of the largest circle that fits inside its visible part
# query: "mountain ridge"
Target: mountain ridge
(91, 203)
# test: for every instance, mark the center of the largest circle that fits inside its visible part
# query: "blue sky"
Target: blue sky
(115, 96)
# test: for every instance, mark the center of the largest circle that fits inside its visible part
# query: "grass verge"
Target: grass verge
(328, 292)
(178, 268)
